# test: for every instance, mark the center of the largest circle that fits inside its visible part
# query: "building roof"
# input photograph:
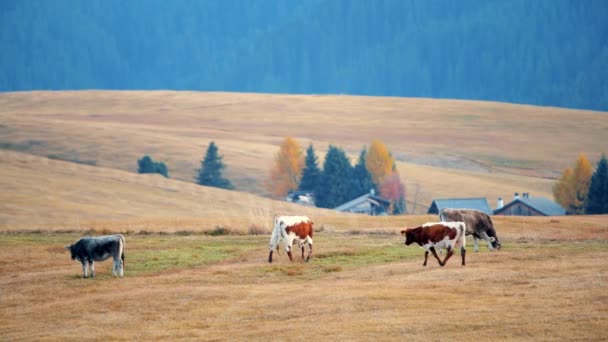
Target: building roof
(364, 198)
(460, 203)
(540, 204)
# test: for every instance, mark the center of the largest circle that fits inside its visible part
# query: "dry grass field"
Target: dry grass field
(445, 148)
(547, 283)
(196, 257)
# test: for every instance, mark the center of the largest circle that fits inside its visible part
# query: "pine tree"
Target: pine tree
(362, 179)
(287, 169)
(210, 173)
(597, 197)
(311, 174)
(147, 165)
(336, 180)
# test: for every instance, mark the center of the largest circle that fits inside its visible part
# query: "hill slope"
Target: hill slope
(41, 193)
(444, 148)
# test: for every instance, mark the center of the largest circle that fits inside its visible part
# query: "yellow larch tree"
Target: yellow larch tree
(571, 189)
(379, 161)
(287, 169)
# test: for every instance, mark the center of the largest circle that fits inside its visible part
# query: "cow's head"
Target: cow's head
(494, 239)
(495, 243)
(409, 236)
(71, 249)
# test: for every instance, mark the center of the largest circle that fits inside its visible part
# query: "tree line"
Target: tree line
(582, 190)
(333, 184)
(544, 52)
(337, 181)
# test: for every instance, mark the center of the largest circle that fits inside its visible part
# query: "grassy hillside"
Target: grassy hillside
(43, 193)
(445, 148)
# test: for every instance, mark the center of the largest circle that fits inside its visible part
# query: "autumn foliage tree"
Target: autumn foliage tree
(571, 189)
(392, 189)
(382, 167)
(379, 161)
(286, 171)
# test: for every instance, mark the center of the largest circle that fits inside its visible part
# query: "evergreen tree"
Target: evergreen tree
(210, 173)
(311, 174)
(597, 198)
(147, 165)
(335, 185)
(362, 179)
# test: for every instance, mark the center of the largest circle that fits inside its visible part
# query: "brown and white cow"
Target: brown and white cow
(479, 224)
(289, 228)
(448, 235)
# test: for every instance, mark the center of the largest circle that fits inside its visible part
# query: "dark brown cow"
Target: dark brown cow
(479, 224)
(448, 235)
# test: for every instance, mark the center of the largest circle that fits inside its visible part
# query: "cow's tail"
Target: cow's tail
(122, 249)
(463, 233)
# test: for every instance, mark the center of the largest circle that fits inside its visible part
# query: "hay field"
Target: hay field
(509, 148)
(547, 283)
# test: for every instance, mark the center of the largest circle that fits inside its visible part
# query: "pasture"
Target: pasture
(547, 283)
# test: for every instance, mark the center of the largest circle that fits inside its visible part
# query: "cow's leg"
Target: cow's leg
(288, 250)
(309, 242)
(303, 252)
(485, 236)
(270, 257)
(92, 266)
(85, 266)
(447, 256)
(115, 267)
(463, 252)
(475, 246)
(289, 246)
(426, 257)
(437, 257)
(122, 267)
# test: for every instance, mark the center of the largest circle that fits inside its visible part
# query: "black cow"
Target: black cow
(90, 249)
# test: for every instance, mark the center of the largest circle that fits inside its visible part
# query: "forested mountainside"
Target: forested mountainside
(545, 52)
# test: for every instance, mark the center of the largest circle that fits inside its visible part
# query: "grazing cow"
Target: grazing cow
(90, 249)
(289, 228)
(479, 224)
(448, 235)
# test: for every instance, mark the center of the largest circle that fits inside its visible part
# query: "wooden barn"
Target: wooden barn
(530, 206)
(369, 204)
(460, 203)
